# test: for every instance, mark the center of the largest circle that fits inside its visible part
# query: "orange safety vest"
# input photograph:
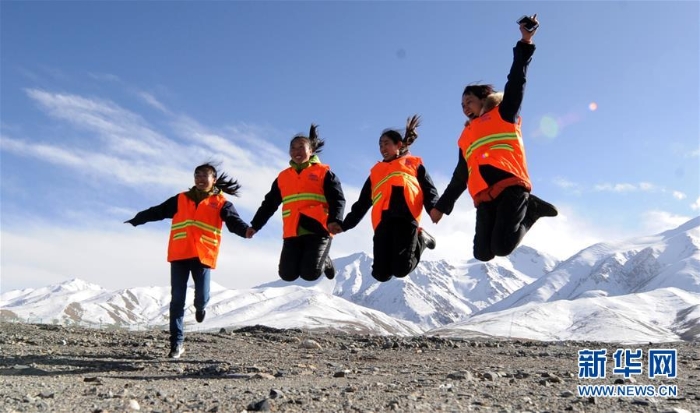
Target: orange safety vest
(403, 172)
(302, 193)
(490, 140)
(196, 230)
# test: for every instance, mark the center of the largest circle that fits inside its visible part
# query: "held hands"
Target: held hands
(435, 215)
(526, 35)
(334, 228)
(250, 232)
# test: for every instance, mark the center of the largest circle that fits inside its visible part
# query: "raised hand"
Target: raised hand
(526, 35)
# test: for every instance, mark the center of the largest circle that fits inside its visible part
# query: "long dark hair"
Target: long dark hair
(315, 143)
(225, 183)
(410, 135)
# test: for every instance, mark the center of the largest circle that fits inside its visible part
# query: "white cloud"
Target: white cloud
(621, 187)
(646, 186)
(104, 77)
(118, 256)
(656, 221)
(679, 195)
(115, 255)
(695, 205)
(133, 153)
(151, 100)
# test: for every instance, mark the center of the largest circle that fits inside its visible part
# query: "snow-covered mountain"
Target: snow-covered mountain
(437, 292)
(663, 315)
(640, 290)
(286, 307)
(668, 259)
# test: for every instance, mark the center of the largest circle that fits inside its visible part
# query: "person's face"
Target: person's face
(204, 180)
(300, 150)
(471, 106)
(388, 148)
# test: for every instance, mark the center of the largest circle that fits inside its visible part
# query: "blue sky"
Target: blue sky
(107, 107)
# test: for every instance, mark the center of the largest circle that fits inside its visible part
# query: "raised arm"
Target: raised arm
(515, 86)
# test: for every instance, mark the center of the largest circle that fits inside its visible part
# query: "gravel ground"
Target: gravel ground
(47, 368)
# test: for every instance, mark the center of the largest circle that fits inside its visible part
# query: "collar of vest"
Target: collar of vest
(491, 101)
(298, 167)
(401, 155)
(198, 196)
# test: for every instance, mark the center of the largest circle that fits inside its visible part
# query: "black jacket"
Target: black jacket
(509, 109)
(168, 209)
(333, 192)
(398, 208)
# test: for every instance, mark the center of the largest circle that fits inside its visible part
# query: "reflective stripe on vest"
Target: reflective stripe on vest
(195, 231)
(401, 172)
(302, 193)
(490, 140)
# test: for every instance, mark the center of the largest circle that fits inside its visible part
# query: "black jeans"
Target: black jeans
(499, 228)
(397, 248)
(304, 256)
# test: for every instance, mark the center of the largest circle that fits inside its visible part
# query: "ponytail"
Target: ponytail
(411, 134)
(227, 185)
(315, 143)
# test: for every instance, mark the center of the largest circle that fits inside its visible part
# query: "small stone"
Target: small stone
(310, 345)
(260, 406)
(641, 402)
(491, 376)
(276, 394)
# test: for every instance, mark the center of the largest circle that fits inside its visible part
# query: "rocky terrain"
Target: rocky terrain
(48, 368)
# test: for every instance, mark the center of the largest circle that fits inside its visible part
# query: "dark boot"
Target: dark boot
(428, 239)
(199, 315)
(329, 269)
(536, 209)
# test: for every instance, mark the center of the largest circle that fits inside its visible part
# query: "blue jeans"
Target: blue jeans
(179, 274)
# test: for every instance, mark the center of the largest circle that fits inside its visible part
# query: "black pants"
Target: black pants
(304, 256)
(499, 224)
(397, 248)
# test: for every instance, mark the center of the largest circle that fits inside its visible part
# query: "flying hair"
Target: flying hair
(411, 133)
(315, 143)
(225, 183)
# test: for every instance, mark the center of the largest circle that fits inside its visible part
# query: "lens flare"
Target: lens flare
(549, 127)
(592, 106)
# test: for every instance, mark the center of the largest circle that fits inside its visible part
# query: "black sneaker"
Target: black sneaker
(329, 269)
(199, 315)
(536, 209)
(542, 208)
(428, 239)
(176, 351)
